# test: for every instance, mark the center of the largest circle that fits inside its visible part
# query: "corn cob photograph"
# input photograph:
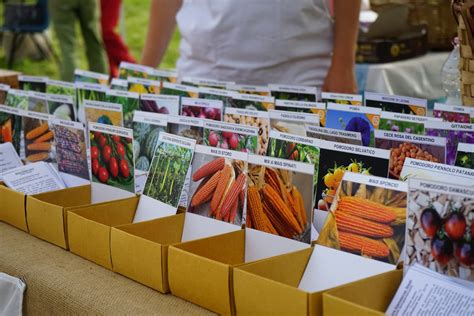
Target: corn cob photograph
(366, 220)
(38, 139)
(218, 188)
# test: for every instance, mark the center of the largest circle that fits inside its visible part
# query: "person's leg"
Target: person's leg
(88, 19)
(116, 49)
(63, 17)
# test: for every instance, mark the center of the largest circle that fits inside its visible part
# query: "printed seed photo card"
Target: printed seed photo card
(334, 135)
(185, 126)
(231, 136)
(295, 93)
(252, 102)
(292, 122)
(91, 92)
(37, 102)
(61, 87)
(127, 69)
(465, 156)
(119, 84)
(11, 126)
(204, 82)
(61, 106)
(157, 103)
(405, 123)
(17, 99)
(90, 77)
(396, 103)
(143, 86)
(341, 98)
(103, 112)
(452, 113)
(38, 138)
(318, 108)
(202, 108)
(33, 83)
(181, 90)
(250, 89)
(130, 102)
(217, 94)
(3, 92)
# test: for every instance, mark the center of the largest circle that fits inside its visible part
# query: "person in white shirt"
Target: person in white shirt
(259, 42)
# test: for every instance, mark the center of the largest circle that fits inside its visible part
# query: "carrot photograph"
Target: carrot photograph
(38, 140)
(10, 128)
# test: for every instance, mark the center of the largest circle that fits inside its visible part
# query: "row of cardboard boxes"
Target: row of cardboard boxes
(229, 271)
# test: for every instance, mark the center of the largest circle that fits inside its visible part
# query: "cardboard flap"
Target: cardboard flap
(103, 193)
(67, 197)
(196, 227)
(13, 210)
(260, 245)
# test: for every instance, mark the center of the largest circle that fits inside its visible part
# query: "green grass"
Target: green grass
(134, 26)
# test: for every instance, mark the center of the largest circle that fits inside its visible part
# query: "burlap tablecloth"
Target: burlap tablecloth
(59, 282)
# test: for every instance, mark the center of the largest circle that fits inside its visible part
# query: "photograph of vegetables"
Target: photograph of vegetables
(16, 100)
(354, 122)
(167, 173)
(230, 140)
(279, 202)
(453, 137)
(152, 88)
(129, 105)
(396, 107)
(335, 138)
(449, 116)
(263, 125)
(179, 92)
(288, 126)
(402, 126)
(10, 130)
(218, 187)
(226, 100)
(86, 94)
(367, 220)
(103, 116)
(90, 79)
(38, 104)
(3, 95)
(440, 233)
(333, 164)
(189, 131)
(340, 101)
(283, 95)
(251, 105)
(145, 138)
(465, 159)
(71, 154)
(63, 111)
(202, 112)
(32, 86)
(112, 160)
(54, 89)
(38, 140)
(124, 73)
(157, 107)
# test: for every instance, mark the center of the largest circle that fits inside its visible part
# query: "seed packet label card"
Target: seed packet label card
(202, 108)
(103, 112)
(17, 99)
(296, 93)
(424, 292)
(292, 122)
(367, 218)
(61, 87)
(33, 83)
(465, 156)
(112, 156)
(218, 184)
(146, 129)
(189, 127)
(9, 158)
(250, 89)
(130, 102)
(413, 168)
(396, 103)
(11, 126)
(90, 77)
(231, 136)
(139, 85)
(405, 123)
(217, 94)
(334, 135)
(203, 82)
(88, 91)
(452, 113)
(3, 92)
(440, 228)
(341, 98)
(404, 145)
(37, 102)
(181, 90)
(454, 132)
(258, 119)
(34, 178)
(71, 151)
(127, 69)
(166, 177)
(318, 108)
(252, 102)
(279, 197)
(164, 75)
(359, 119)
(156, 103)
(38, 138)
(61, 106)
(336, 158)
(119, 84)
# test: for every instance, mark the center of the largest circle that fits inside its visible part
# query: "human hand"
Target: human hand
(340, 80)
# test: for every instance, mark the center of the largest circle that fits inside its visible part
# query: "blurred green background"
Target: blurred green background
(133, 27)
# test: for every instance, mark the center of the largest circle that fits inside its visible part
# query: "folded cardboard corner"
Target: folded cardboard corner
(13, 210)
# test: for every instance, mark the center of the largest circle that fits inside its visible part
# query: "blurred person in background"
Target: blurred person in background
(259, 42)
(64, 15)
(116, 49)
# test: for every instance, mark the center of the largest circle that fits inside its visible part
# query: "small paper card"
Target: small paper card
(217, 94)
(89, 91)
(280, 195)
(119, 84)
(11, 126)
(3, 92)
(465, 156)
(439, 222)
(405, 123)
(33, 83)
(127, 69)
(103, 112)
(318, 108)
(218, 184)
(164, 75)
(427, 170)
(9, 158)
(341, 98)
(112, 157)
(182, 90)
(38, 137)
(334, 135)
(296, 93)
(90, 77)
(258, 119)
(452, 113)
(143, 86)
(292, 122)
(252, 102)
(250, 89)
(129, 101)
(163, 104)
(367, 210)
(37, 102)
(403, 145)
(61, 87)
(454, 132)
(337, 158)
(189, 127)
(231, 136)
(61, 106)
(396, 103)
(203, 82)
(17, 99)
(202, 108)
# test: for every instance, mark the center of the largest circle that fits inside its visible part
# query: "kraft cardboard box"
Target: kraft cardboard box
(294, 283)
(13, 210)
(201, 271)
(370, 296)
(140, 250)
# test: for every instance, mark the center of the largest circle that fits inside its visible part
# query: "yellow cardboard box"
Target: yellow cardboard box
(201, 271)
(370, 296)
(89, 228)
(13, 208)
(140, 250)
